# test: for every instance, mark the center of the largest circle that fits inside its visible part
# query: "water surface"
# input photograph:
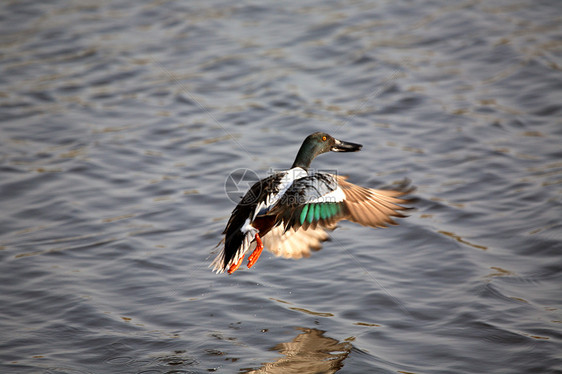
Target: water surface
(120, 122)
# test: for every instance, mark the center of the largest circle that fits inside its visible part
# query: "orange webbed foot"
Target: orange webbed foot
(256, 253)
(235, 266)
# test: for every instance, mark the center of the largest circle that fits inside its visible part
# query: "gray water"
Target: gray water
(120, 122)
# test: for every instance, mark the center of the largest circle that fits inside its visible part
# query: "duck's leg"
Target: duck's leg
(256, 253)
(235, 266)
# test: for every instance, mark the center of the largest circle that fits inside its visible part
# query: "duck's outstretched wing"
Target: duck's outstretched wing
(239, 233)
(250, 217)
(373, 207)
(324, 199)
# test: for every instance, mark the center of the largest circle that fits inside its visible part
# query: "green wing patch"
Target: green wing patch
(317, 211)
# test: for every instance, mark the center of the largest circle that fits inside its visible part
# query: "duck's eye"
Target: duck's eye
(323, 138)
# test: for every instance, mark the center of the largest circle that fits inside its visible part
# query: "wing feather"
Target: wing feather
(295, 243)
(372, 207)
(366, 206)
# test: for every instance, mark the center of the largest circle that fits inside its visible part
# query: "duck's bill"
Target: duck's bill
(342, 146)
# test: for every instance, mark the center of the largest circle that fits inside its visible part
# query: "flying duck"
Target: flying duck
(290, 211)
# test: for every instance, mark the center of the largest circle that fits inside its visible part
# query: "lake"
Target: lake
(121, 122)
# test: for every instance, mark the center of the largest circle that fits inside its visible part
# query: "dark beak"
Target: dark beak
(341, 146)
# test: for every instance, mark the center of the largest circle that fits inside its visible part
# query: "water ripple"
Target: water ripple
(121, 121)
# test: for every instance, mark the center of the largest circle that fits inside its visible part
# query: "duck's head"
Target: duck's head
(318, 143)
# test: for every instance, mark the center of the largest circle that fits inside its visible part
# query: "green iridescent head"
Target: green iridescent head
(318, 143)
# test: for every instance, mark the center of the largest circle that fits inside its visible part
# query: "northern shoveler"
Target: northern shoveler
(290, 211)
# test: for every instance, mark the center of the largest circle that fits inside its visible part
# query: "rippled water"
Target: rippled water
(120, 122)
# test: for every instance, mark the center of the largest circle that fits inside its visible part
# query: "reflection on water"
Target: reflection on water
(309, 352)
